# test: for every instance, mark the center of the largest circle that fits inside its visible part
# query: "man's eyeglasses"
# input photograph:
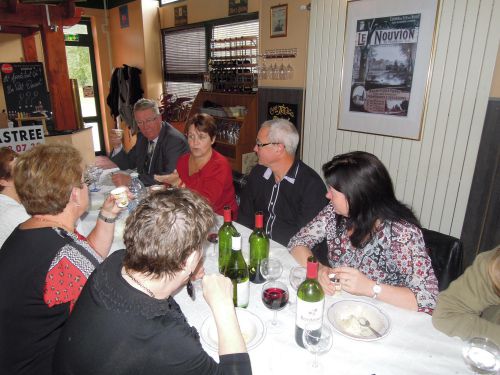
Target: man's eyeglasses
(260, 144)
(146, 122)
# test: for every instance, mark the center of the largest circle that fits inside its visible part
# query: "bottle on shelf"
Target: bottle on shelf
(310, 301)
(259, 249)
(236, 269)
(226, 232)
(137, 189)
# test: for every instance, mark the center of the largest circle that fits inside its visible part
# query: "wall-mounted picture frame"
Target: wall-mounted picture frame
(124, 19)
(387, 66)
(237, 7)
(279, 20)
(180, 15)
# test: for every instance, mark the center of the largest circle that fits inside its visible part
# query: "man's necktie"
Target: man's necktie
(149, 155)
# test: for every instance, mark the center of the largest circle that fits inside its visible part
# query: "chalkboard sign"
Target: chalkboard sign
(24, 87)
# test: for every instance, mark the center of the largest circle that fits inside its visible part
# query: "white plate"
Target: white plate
(343, 316)
(252, 328)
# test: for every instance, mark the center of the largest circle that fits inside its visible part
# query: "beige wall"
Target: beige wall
(11, 50)
(201, 10)
(495, 85)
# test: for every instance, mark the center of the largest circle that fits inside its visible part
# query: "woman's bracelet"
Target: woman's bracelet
(106, 219)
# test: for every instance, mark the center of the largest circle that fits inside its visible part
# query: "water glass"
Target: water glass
(317, 341)
(482, 355)
(271, 268)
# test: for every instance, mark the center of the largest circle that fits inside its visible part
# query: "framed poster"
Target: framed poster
(287, 111)
(238, 7)
(124, 20)
(181, 15)
(279, 14)
(387, 66)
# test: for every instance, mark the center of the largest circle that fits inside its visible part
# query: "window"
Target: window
(186, 50)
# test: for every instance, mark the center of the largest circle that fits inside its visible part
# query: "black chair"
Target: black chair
(446, 255)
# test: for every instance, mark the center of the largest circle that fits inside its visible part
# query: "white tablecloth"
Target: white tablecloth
(413, 346)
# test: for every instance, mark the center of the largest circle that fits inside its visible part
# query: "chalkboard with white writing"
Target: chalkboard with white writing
(24, 87)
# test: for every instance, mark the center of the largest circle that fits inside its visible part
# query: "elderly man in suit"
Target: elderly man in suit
(157, 149)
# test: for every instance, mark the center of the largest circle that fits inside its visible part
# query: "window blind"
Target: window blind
(185, 55)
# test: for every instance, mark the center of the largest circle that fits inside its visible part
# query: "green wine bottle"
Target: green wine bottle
(236, 269)
(310, 301)
(226, 231)
(259, 249)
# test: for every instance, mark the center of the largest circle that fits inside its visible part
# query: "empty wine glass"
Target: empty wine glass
(317, 340)
(275, 297)
(481, 355)
(271, 268)
(296, 277)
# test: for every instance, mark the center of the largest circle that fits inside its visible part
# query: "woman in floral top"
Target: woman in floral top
(375, 246)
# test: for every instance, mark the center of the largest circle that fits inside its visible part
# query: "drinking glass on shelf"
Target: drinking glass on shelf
(317, 341)
(275, 297)
(271, 268)
(481, 355)
(289, 71)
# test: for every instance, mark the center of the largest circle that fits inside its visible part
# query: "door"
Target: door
(82, 67)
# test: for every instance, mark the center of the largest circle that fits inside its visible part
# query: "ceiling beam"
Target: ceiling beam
(19, 14)
(23, 30)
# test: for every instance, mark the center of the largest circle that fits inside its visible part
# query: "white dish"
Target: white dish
(343, 316)
(252, 328)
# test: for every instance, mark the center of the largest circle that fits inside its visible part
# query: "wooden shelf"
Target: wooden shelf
(247, 125)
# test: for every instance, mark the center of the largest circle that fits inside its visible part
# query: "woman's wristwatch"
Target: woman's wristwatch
(376, 290)
(106, 219)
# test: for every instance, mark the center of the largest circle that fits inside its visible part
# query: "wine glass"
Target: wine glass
(296, 277)
(481, 355)
(271, 268)
(275, 298)
(317, 340)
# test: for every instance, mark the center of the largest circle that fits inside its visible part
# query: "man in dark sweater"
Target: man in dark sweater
(157, 149)
(289, 192)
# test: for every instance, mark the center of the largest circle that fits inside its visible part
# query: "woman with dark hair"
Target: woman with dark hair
(204, 170)
(375, 246)
(127, 320)
(12, 212)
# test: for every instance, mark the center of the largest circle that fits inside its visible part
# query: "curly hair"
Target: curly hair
(6, 156)
(45, 176)
(164, 230)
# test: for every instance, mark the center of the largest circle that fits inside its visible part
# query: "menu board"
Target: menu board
(24, 88)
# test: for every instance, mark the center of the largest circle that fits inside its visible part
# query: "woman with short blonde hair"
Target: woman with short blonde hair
(45, 262)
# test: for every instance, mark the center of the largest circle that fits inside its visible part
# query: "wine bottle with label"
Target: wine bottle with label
(259, 249)
(226, 231)
(236, 269)
(310, 301)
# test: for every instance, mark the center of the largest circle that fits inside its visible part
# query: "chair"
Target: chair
(446, 255)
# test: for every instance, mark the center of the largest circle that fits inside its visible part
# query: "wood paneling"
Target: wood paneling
(432, 175)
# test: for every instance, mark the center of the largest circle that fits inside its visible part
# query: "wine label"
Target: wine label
(309, 313)
(242, 293)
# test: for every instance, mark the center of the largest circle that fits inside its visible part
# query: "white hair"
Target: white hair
(283, 131)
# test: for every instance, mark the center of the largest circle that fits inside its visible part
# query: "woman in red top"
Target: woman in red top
(204, 170)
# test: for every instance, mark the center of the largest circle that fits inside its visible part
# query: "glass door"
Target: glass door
(81, 66)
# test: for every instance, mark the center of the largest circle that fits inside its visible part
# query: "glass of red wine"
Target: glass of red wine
(275, 298)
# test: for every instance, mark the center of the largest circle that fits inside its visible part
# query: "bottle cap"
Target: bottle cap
(227, 214)
(259, 220)
(312, 268)
(236, 242)
(134, 175)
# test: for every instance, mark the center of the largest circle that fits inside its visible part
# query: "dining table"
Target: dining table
(411, 346)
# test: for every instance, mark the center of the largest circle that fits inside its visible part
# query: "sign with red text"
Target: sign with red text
(23, 138)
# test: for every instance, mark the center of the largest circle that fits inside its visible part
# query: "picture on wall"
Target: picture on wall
(279, 20)
(180, 15)
(124, 20)
(387, 61)
(237, 7)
